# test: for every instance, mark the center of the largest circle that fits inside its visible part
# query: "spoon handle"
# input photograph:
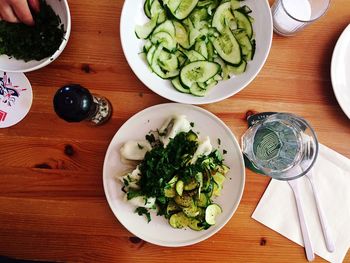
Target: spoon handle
(294, 184)
(324, 224)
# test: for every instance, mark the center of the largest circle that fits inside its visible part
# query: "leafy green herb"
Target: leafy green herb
(224, 151)
(133, 193)
(143, 211)
(140, 146)
(192, 124)
(32, 42)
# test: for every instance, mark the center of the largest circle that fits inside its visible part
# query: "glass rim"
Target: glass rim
(300, 119)
(306, 21)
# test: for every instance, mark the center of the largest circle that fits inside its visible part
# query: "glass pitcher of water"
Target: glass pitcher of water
(283, 146)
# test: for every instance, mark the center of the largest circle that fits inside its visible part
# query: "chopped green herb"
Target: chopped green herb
(219, 141)
(32, 42)
(140, 146)
(224, 151)
(143, 211)
(192, 124)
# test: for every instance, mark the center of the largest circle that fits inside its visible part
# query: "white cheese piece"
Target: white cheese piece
(173, 126)
(142, 201)
(204, 148)
(135, 150)
(132, 178)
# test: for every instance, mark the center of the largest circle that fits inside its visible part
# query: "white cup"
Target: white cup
(291, 16)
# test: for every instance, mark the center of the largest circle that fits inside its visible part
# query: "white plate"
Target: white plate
(133, 14)
(158, 231)
(61, 8)
(340, 71)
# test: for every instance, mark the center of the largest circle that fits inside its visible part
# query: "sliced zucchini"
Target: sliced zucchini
(203, 200)
(211, 212)
(184, 200)
(179, 220)
(177, 85)
(191, 211)
(179, 187)
(172, 208)
(198, 71)
(219, 178)
(244, 22)
(181, 8)
(195, 224)
(227, 47)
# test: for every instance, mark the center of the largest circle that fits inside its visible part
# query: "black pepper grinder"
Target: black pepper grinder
(74, 103)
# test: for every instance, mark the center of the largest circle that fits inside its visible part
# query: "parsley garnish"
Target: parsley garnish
(143, 211)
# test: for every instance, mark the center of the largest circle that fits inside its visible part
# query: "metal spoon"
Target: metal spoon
(294, 184)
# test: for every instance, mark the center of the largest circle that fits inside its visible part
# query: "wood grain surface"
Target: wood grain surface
(52, 203)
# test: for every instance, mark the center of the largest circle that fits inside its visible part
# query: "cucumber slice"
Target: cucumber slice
(235, 4)
(144, 31)
(197, 90)
(165, 39)
(223, 17)
(246, 45)
(237, 69)
(157, 10)
(181, 8)
(147, 8)
(167, 27)
(156, 67)
(201, 48)
(150, 54)
(181, 35)
(227, 47)
(193, 56)
(198, 71)
(244, 22)
(168, 61)
(211, 212)
(177, 85)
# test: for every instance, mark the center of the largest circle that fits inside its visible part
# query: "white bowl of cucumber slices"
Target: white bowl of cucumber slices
(196, 51)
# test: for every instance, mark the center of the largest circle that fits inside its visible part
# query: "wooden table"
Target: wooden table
(52, 204)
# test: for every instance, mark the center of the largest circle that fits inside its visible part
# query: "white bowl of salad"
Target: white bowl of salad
(196, 51)
(176, 178)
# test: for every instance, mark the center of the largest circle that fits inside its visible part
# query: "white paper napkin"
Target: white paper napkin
(277, 208)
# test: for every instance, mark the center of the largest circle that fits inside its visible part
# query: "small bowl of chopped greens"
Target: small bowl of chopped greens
(26, 48)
